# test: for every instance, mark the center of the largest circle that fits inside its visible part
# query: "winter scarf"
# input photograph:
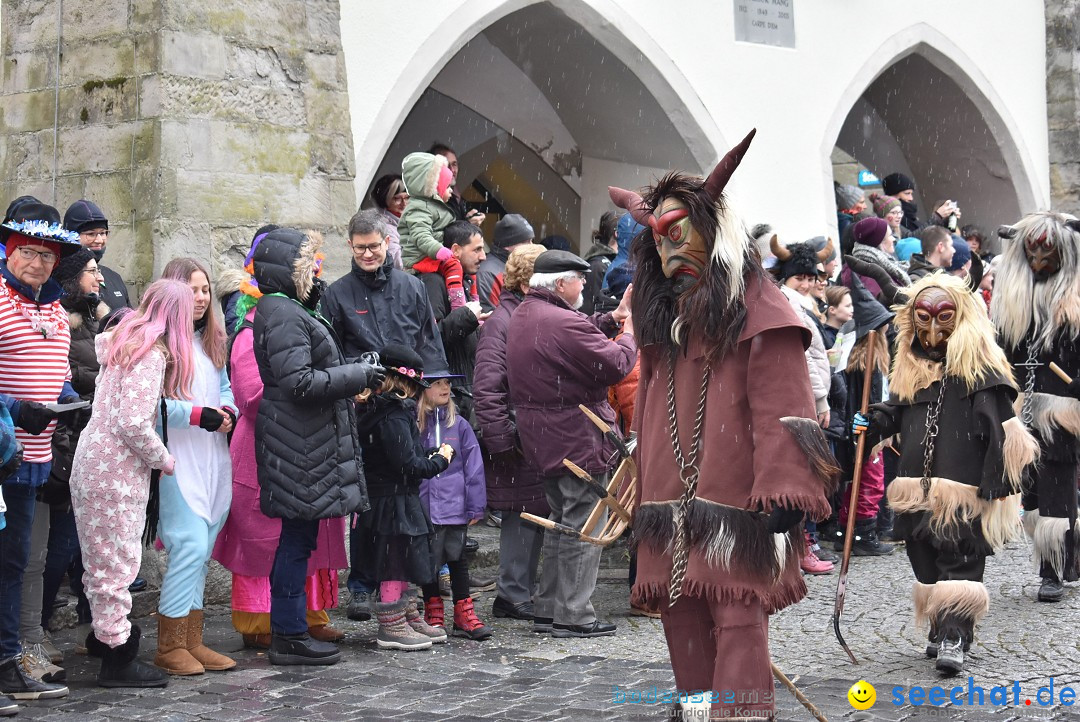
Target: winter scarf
(880, 258)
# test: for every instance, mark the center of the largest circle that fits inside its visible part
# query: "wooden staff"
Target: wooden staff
(1060, 373)
(782, 678)
(860, 449)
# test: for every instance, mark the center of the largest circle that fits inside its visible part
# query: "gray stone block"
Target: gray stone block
(196, 55)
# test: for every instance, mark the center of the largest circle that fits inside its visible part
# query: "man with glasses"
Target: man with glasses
(35, 337)
(85, 218)
(374, 306)
(556, 359)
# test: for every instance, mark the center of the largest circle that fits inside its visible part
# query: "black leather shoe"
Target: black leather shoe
(596, 629)
(138, 585)
(471, 545)
(502, 608)
(15, 683)
(302, 649)
(542, 625)
(8, 706)
(1051, 590)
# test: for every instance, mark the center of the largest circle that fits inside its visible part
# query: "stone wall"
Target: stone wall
(191, 122)
(1063, 102)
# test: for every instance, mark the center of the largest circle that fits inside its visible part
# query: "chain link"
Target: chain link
(1029, 384)
(932, 416)
(688, 474)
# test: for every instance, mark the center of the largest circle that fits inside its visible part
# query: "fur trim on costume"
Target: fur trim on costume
(959, 597)
(303, 276)
(1047, 534)
(76, 318)
(1019, 451)
(1049, 412)
(952, 504)
(972, 354)
(1021, 306)
(811, 439)
(920, 596)
(725, 536)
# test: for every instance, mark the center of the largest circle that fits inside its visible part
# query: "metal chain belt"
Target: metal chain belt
(931, 435)
(688, 473)
(1029, 385)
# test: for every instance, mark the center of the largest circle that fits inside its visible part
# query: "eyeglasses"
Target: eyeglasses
(29, 254)
(364, 250)
(93, 271)
(94, 234)
(400, 198)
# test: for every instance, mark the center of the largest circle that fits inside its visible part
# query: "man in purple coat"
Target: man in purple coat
(557, 358)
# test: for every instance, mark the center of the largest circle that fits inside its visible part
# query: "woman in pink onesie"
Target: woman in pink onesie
(146, 356)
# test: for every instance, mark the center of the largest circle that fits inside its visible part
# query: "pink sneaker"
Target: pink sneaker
(812, 565)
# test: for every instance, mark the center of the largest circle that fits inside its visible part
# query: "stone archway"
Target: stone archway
(546, 104)
(920, 107)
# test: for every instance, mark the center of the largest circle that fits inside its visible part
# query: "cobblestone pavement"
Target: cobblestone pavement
(517, 675)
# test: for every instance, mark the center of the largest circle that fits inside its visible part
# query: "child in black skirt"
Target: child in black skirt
(398, 528)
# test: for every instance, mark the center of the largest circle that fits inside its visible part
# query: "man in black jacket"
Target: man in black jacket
(374, 306)
(86, 218)
(459, 328)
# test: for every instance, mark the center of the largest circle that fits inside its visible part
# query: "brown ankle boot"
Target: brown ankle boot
(207, 657)
(172, 654)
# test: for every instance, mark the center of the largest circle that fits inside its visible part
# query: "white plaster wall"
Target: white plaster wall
(798, 99)
(596, 175)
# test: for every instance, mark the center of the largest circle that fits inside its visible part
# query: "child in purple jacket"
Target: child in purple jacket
(454, 500)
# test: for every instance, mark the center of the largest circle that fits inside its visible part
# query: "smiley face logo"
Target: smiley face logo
(862, 695)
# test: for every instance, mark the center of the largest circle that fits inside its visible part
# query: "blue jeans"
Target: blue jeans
(14, 555)
(361, 576)
(288, 576)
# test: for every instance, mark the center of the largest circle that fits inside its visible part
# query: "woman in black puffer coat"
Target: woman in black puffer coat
(308, 461)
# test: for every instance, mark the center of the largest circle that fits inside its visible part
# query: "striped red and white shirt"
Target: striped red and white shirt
(33, 367)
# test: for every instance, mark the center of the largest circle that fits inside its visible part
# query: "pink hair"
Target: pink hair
(162, 321)
(214, 340)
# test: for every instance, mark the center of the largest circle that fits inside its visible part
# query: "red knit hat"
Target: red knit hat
(17, 239)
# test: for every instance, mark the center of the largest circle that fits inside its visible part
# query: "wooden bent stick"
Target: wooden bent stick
(1060, 373)
(782, 678)
(860, 449)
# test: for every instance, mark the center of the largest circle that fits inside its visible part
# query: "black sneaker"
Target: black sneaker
(866, 542)
(542, 625)
(471, 545)
(302, 649)
(359, 606)
(1051, 590)
(139, 585)
(596, 629)
(15, 683)
(502, 608)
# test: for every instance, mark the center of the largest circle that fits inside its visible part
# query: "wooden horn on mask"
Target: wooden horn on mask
(1007, 232)
(1074, 225)
(630, 201)
(781, 252)
(824, 253)
(721, 174)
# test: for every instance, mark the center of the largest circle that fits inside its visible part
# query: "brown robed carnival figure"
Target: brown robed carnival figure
(729, 453)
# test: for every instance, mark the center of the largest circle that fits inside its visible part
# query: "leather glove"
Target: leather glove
(376, 375)
(34, 417)
(859, 423)
(211, 419)
(782, 520)
(889, 289)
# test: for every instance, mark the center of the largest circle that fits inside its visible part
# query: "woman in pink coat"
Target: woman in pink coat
(248, 541)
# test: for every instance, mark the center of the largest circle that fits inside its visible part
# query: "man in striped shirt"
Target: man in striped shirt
(34, 370)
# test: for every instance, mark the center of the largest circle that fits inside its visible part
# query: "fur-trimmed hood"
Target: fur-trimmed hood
(228, 281)
(972, 356)
(420, 171)
(285, 262)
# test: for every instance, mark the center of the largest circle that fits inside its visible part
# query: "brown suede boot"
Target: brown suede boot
(172, 654)
(205, 656)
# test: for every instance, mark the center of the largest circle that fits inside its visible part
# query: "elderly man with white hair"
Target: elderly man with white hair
(556, 359)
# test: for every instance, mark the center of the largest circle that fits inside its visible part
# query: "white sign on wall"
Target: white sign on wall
(767, 22)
